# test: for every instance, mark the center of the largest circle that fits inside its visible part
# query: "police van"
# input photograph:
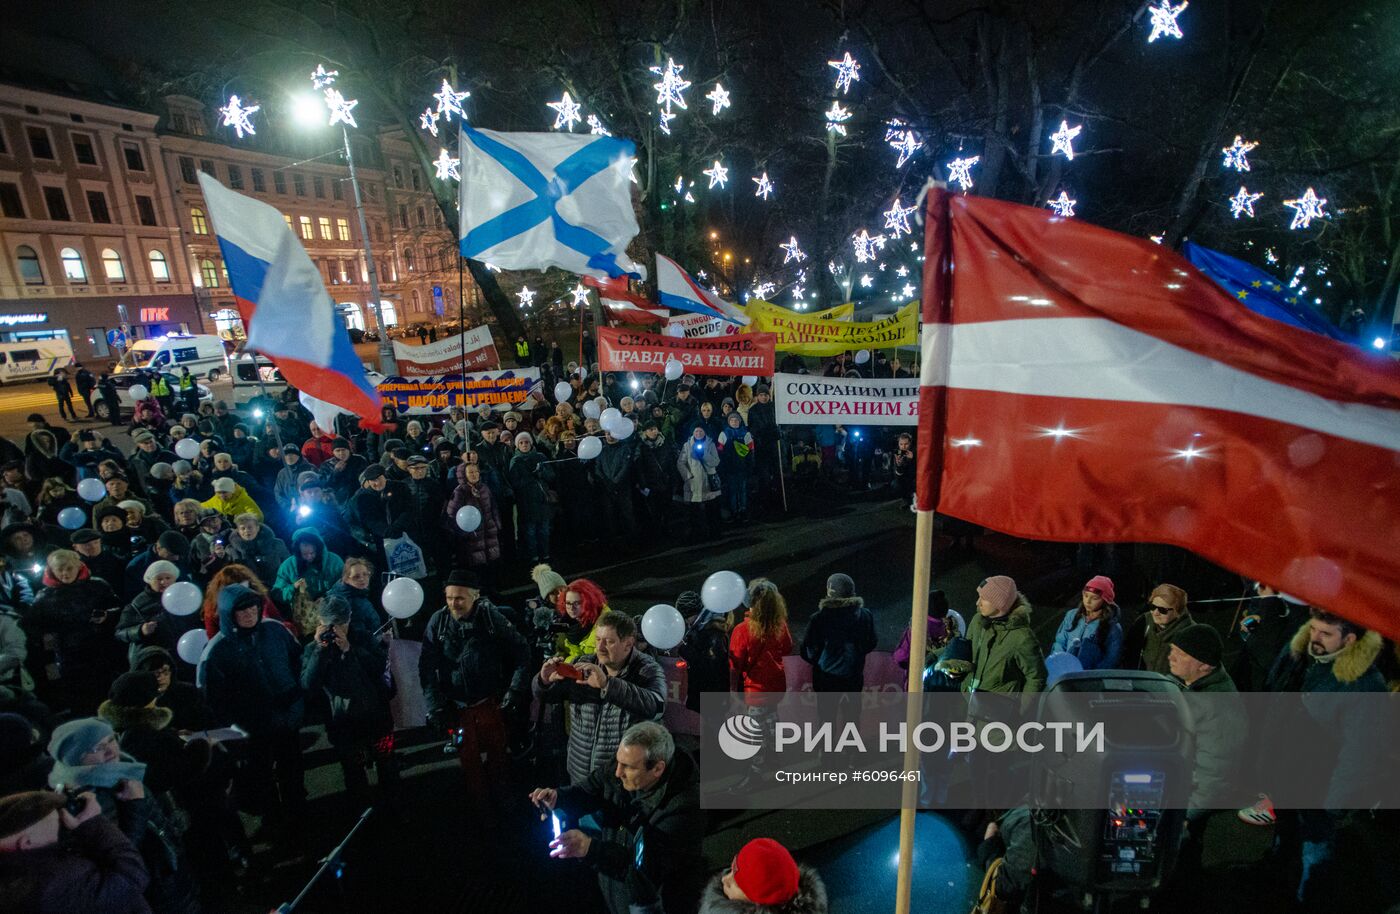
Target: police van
(31, 359)
(203, 354)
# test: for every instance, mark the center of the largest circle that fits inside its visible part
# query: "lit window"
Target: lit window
(112, 266)
(160, 270)
(73, 267)
(198, 222)
(209, 274)
(325, 222)
(408, 259)
(306, 233)
(288, 219)
(342, 228)
(29, 269)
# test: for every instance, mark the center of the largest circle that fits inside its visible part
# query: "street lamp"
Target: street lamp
(310, 110)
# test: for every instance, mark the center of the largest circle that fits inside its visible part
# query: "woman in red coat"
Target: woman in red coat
(758, 645)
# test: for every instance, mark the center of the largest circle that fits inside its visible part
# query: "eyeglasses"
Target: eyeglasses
(1158, 608)
(573, 602)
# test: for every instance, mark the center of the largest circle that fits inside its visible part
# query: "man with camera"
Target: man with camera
(473, 670)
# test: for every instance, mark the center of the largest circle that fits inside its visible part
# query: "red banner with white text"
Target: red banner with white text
(620, 349)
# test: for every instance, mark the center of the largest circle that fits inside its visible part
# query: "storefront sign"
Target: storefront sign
(446, 355)
(803, 335)
(155, 315)
(811, 400)
(441, 393)
(633, 350)
(14, 320)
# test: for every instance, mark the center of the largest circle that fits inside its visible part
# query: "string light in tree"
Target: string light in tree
(1270, 256)
(671, 90)
(321, 77)
(792, 251)
(526, 296)
(666, 118)
(1237, 154)
(718, 174)
(596, 128)
(450, 101)
(1164, 24)
(1242, 203)
(1306, 208)
(1062, 140)
(960, 171)
(914, 246)
(866, 280)
(1062, 205)
(566, 112)
(836, 116)
(764, 289)
(865, 245)
(765, 186)
(902, 140)
(237, 116)
(847, 71)
(580, 294)
(799, 293)
(447, 167)
(902, 272)
(907, 291)
(428, 121)
(341, 108)
(897, 218)
(720, 97)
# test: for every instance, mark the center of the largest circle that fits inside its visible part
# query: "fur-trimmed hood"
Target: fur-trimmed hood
(811, 897)
(841, 603)
(1355, 659)
(124, 718)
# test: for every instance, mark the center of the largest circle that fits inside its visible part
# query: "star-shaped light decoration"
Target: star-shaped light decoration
(237, 116)
(1306, 208)
(718, 174)
(1063, 139)
(666, 117)
(960, 171)
(340, 108)
(1062, 205)
(799, 293)
(866, 280)
(902, 272)
(428, 121)
(566, 112)
(447, 167)
(764, 289)
(765, 186)
(680, 184)
(596, 127)
(792, 251)
(1164, 24)
(902, 140)
(720, 97)
(865, 245)
(450, 101)
(897, 218)
(907, 291)
(671, 90)
(836, 116)
(847, 71)
(580, 294)
(1237, 154)
(526, 296)
(321, 77)
(1242, 203)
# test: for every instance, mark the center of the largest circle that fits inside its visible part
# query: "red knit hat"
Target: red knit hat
(765, 872)
(1103, 586)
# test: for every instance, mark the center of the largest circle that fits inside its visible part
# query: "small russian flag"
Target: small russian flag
(678, 291)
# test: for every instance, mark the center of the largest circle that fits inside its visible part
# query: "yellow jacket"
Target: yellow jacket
(240, 502)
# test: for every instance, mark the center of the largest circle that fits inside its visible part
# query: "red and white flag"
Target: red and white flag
(625, 305)
(1085, 386)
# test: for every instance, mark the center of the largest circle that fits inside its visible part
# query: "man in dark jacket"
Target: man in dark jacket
(647, 801)
(1221, 727)
(530, 479)
(103, 564)
(286, 488)
(615, 470)
(147, 454)
(763, 425)
(1267, 624)
(840, 634)
(341, 473)
(184, 700)
(474, 672)
(87, 450)
(422, 518)
(63, 394)
(376, 511)
(85, 382)
(253, 544)
(656, 474)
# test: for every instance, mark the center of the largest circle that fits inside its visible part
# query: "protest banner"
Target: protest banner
(699, 326)
(803, 335)
(437, 394)
(844, 312)
(445, 355)
(620, 349)
(811, 400)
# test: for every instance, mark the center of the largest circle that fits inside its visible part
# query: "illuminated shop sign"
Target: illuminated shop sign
(11, 320)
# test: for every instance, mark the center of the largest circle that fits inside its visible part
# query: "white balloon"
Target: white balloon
(749, 380)
(71, 518)
(402, 597)
(589, 448)
(182, 598)
(663, 626)
(191, 645)
(722, 592)
(563, 391)
(468, 518)
(609, 416)
(187, 448)
(622, 428)
(324, 413)
(591, 410)
(862, 356)
(92, 489)
(139, 392)
(674, 370)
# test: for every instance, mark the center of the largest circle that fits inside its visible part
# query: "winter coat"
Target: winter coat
(599, 717)
(1221, 736)
(183, 700)
(810, 898)
(736, 456)
(93, 868)
(763, 423)
(1081, 638)
(1145, 646)
(936, 628)
(85, 460)
(146, 735)
(697, 464)
(372, 516)
(14, 649)
(363, 616)
(759, 662)
(15, 593)
(530, 479)
(614, 467)
(479, 658)
(482, 545)
(496, 457)
(252, 676)
(354, 685)
(706, 654)
(656, 464)
(66, 611)
(577, 641)
(285, 489)
(422, 512)
(1005, 655)
(343, 481)
(146, 608)
(264, 554)
(320, 574)
(1278, 620)
(839, 635)
(240, 503)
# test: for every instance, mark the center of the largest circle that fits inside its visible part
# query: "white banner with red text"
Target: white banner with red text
(446, 355)
(802, 399)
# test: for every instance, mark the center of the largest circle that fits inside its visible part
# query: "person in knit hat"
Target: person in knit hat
(705, 649)
(764, 879)
(1005, 654)
(839, 636)
(1147, 642)
(1091, 631)
(549, 581)
(1221, 727)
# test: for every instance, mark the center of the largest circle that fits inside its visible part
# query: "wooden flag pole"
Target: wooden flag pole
(918, 646)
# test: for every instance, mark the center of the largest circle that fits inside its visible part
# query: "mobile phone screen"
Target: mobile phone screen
(555, 824)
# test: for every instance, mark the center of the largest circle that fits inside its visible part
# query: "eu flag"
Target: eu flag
(1260, 291)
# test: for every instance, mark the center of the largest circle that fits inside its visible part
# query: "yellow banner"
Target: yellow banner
(807, 334)
(839, 313)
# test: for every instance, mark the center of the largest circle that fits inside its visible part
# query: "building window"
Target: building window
(187, 170)
(209, 274)
(288, 219)
(29, 269)
(11, 205)
(279, 182)
(4, 146)
(422, 216)
(160, 270)
(379, 231)
(408, 260)
(398, 177)
(97, 339)
(145, 210)
(417, 300)
(207, 166)
(235, 177)
(413, 173)
(39, 145)
(325, 222)
(259, 185)
(299, 183)
(112, 265)
(196, 125)
(306, 228)
(82, 149)
(73, 268)
(342, 229)
(318, 186)
(134, 160)
(369, 192)
(57, 203)
(403, 217)
(336, 192)
(198, 223)
(178, 124)
(97, 206)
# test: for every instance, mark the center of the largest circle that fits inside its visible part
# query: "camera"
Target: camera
(73, 800)
(327, 637)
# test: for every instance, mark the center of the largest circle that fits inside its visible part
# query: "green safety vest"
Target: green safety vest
(522, 348)
(186, 382)
(159, 388)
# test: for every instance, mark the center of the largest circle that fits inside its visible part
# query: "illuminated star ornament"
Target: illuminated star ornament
(847, 72)
(866, 280)
(666, 118)
(671, 90)
(1164, 24)
(765, 186)
(836, 116)
(566, 112)
(447, 167)
(1236, 154)
(526, 296)
(718, 174)
(580, 294)
(340, 108)
(763, 289)
(897, 218)
(321, 77)
(428, 121)
(1062, 205)
(793, 251)
(1242, 203)
(903, 141)
(236, 116)
(866, 246)
(449, 101)
(902, 272)
(960, 171)
(720, 97)
(1306, 208)
(596, 127)
(1063, 139)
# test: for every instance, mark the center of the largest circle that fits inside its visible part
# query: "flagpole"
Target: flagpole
(462, 335)
(918, 646)
(782, 483)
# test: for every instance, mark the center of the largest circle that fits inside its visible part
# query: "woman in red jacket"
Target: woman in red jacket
(758, 645)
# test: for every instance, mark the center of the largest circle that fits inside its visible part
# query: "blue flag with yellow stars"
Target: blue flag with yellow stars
(1260, 291)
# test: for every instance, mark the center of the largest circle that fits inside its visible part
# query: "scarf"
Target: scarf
(107, 775)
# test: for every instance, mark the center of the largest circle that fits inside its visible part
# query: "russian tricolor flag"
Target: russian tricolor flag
(285, 307)
(679, 292)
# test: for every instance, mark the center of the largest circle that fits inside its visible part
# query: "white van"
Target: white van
(244, 374)
(204, 355)
(33, 359)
